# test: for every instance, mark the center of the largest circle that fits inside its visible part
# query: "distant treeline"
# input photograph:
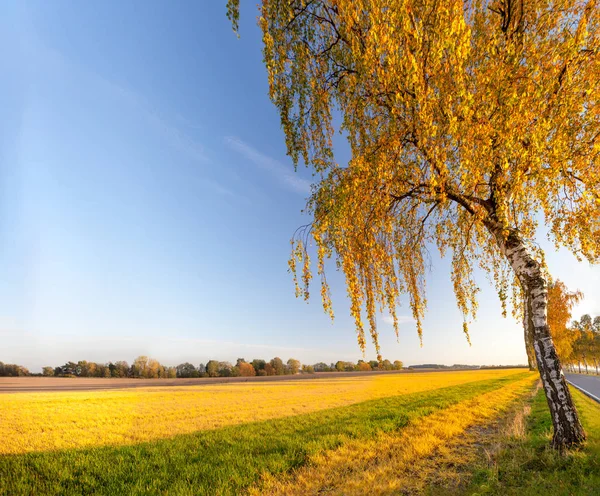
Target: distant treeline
(13, 370)
(583, 354)
(149, 368)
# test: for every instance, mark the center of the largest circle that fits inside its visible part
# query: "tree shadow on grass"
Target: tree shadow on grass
(226, 460)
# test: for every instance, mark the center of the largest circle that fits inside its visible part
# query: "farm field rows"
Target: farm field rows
(344, 436)
(50, 421)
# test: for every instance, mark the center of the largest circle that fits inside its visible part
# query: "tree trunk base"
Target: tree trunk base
(563, 442)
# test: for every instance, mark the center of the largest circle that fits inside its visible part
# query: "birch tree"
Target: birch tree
(468, 123)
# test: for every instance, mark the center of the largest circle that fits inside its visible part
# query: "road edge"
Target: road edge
(587, 393)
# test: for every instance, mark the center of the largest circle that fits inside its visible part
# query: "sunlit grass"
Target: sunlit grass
(50, 421)
(528, 466)
(231, 459)
(389, 463)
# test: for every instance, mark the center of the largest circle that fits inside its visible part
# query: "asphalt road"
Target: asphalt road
(590, 383)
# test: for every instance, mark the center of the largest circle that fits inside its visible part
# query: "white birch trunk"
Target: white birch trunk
(568, 430)
(528, 333)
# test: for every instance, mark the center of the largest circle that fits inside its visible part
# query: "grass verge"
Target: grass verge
(526, 465)
(397, 462)
(226, 460)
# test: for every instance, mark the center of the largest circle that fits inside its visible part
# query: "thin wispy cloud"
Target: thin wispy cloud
(54, 63)
(218, 188)
(169, 126)
(173, 134)
(287, 178)
(177, 138)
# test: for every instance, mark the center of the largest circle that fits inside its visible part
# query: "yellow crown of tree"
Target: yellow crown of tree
(468, 123)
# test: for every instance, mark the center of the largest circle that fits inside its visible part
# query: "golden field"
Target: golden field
(407, 433)
(33, 422)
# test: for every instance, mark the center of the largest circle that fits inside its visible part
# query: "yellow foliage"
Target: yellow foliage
(467, 124)
(560, 304)
(50, 421)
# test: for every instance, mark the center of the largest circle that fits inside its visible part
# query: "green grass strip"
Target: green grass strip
(223, 461)
(529, 467)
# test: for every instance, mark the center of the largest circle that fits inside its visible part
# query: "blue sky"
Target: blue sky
(146, 201)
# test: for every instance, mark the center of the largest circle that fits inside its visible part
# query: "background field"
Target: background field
(298, 437)
(56, 384)
(50, 421)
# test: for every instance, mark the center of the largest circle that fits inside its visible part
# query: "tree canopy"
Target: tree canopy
(586, 343)
(464, 120)
(561, 302)
(469, 122)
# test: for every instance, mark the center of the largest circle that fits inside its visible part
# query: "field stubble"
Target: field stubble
(268, 438)
(33, 422)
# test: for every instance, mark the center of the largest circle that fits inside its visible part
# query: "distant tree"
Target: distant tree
(92, 369)
(269, 369)
(225, 369)
(387, 365)
(154, 369)
(308, 369)
(139, 366)
(586, 347)
(259, 365)
(47, 371)
(120, 369)
(171, 372)
(201, 370)
(294, 365)
(363, 366)
(342, 366)
(13, 370)
(81, 368)
(246, 369)
(212, 368)
(277, 365)
(69, 369)
(374, 365)
(186, 370)
(398, 365)
(101, 370)
(162, 372)
(321, 367)
(560, 303)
